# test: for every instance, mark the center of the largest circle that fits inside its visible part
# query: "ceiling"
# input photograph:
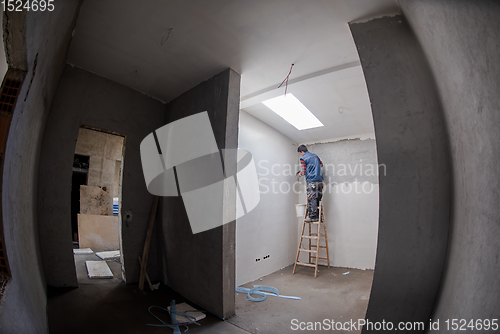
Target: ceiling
(162, 48)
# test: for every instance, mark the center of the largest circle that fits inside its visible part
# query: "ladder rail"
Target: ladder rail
(313, 253)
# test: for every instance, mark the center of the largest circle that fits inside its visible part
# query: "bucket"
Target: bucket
(300, 209)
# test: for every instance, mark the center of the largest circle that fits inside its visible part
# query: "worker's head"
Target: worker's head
(302, 149)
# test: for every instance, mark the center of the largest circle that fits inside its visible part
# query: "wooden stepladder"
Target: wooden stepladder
(313, 248)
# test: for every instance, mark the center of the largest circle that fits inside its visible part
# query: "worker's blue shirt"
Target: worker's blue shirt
(313, 167)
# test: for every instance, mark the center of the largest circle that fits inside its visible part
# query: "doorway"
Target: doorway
(95, 202)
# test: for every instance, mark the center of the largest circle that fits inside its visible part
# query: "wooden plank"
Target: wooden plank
(306, 264)
(147, 242)
(147, 276)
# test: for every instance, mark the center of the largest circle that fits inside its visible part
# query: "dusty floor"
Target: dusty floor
(111, 306)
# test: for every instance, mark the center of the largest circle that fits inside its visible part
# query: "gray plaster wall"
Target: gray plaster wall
(269, 229)
(462, 45)
(84, 98)
(415, 193)
(47, 34)
(201, 267)
(350, 201)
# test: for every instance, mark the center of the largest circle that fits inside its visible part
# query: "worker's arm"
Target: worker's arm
(302, 171)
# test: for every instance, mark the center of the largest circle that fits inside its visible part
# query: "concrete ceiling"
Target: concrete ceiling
(165, 47)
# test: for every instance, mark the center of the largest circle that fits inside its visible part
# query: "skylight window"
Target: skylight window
(293, 111)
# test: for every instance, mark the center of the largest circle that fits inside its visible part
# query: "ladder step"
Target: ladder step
(306, 264)
(313, 250)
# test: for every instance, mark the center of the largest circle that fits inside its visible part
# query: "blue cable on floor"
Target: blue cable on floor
(262, 290)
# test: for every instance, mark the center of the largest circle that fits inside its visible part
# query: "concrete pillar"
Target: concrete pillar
(460, 40)
(415, 192)
(201, 266)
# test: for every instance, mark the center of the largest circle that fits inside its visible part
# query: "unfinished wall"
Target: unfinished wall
(104, 150)
(415, 193)
(270, 228)
(99, 233)
(201, 266)
(48, 35)
(95, 200)
(86, 99)
(460, 39)
(3, 60)
(350, 200)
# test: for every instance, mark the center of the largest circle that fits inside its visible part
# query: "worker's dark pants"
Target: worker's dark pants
(314, 196)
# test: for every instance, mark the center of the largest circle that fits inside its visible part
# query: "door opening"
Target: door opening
(95, 202)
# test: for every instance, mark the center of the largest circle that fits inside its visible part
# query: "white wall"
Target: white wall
(270, 229)
(350, 201)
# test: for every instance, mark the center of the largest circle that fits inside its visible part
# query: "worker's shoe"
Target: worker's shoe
(309, 219)
(314, 219)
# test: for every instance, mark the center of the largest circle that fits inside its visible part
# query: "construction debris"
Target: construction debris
(98, 269)
(82, 251)
(108, 254)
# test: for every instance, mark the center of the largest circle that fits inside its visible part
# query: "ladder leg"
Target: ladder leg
(300, 243)
(309, 243)
(326, 244)
(320, 221)
(326, 238)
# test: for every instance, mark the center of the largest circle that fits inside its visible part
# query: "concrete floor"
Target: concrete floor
(111, 306)
(81, 270)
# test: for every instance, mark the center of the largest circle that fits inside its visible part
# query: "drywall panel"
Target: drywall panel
(44, 47)
(460, 39)
(99, 233)
(98, 269)
(95, 200)
(86, 99)
(201, 266)
(350, 201)
(268, 230)
(414, 194)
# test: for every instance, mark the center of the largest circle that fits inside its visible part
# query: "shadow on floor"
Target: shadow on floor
(120, 308)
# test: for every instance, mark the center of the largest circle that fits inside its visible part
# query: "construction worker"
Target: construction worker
(311, 167)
